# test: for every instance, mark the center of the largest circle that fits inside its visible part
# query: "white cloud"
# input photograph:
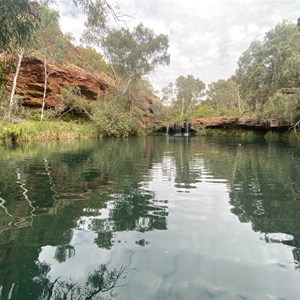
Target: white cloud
(206, 37)
(71, 20)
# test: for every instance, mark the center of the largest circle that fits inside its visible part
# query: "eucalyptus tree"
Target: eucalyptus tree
(50, 44)
(18, 21)
(269, 66)
(131, 53)
(99, 11)
(223, 96)
(185, 94)
(91, 60)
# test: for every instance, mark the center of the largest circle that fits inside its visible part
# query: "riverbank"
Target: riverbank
(290, 136)
(35, 131)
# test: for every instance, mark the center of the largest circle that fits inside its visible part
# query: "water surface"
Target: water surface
(150, 218)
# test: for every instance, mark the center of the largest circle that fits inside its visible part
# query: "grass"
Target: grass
(216, 132)
(271, 136)
(294, 138)
(32, 131)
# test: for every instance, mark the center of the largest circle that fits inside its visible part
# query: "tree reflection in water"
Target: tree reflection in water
(44, 197)
(100, 284)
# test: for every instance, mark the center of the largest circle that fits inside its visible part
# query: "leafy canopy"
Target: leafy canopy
(136, 53)
(18, 19)
(223, 95)
(184, 95)
(268, 66)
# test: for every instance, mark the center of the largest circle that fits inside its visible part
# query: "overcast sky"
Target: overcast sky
(206, 37)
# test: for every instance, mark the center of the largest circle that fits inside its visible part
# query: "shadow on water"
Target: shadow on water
(50, 193)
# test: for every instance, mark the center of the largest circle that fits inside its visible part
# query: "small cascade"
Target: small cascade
(186, 125)
(167, 130)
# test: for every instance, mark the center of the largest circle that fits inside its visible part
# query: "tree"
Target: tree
(169, 94)
(189, 91)
(136, 53)
(132, 54)
(223, 95)
(50, 44)
(91, 59)
(99, 11)
(268, 66)
(18, 21)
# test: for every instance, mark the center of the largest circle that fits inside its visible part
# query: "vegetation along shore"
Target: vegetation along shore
(53, 89)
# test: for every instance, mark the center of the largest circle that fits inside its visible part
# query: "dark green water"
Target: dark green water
(150, 218)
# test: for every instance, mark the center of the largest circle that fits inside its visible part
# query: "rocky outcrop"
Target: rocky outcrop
(242, 123)
(30, 86)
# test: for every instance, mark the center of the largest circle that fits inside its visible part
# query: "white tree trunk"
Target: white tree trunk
(182, 107)
(239, 101)
(12, 94)
(45, 89)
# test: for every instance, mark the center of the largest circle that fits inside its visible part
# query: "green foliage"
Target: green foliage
(112, 119)
(139, 95)
(3, 102)
(5, 69)
(72, 99)
(97, 12)
(10, 133)
(268, 66)
(169, 94)
(91, 60)
(184, 95)
(283, 107)
(35, 114)
(271, 136)
(294, 138)
(136, 53)
(35, 131)
(204, 110)
(18, 21)
(246, 135)
(165, 115)
(131, 53)
(223, 96)
(51, 44)
(189, 91)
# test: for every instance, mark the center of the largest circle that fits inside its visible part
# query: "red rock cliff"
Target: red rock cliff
(30, 86)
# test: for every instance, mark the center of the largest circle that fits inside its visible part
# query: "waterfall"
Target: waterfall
(186, 125)
(167, 130)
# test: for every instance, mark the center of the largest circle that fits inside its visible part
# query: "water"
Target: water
(150, 218)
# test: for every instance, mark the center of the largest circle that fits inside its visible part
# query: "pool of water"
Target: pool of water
(150, 218)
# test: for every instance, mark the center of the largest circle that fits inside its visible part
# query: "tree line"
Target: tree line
(126, 55)
(266, 83)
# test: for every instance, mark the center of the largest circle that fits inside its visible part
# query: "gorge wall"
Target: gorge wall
(30, 85)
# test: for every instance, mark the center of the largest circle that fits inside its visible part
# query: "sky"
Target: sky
(206, 37)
